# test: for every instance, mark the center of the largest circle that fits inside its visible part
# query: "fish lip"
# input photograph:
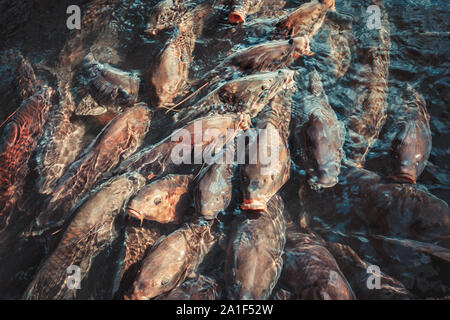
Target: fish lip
(236, 17)
(258, 205)
(403, 177)
(134, 213)
(318, 186)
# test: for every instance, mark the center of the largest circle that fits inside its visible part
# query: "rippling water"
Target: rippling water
(419, 55)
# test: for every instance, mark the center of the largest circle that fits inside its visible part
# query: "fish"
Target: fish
(19, 139)
(62, 142)
(157, 159)
(368, 113)
(140, 237)
(165, 14)
(92, 231)
(355, 269)
(246, 95)
(112, 89)
(341, 42)
(172, 260)
(262, 177)
(25, 79)
(411, 147)
(202, 288)
(306, 19)
(171, 70)
(116, 142)
(254, 260)
(164, 200)
(240, 9)
(213, 191)
(373, 206)
(310, 271)
(320, 136)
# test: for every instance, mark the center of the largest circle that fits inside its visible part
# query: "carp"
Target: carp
(355, 269)
(19, 139)
(247, 95)
(268, 167)
(172, 260)
(171, 70)
(202, 288)
(159, 158)
(164, 200)
(411, 147)
(368, 114)
(240, 9)
(311, 272)
(306, 19)
(111, 88)
(92, 231)
(116, 142)
(320, 136)
(214, 190)
(254, 260)
(374, 207)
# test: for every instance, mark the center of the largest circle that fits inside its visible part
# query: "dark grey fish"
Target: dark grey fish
(311, 272)
(411, 146)
(320, 136)
(368, 113)
(355, 269)
(254, 257)
(91, 232)
(172, 260)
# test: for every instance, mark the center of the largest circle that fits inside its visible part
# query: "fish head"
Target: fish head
(161, 17)
(329, 3)
(300, 46)
(214, 191)
(253, 92)
(322, 139)
(261, 179)
(162, 201)
(411, 149)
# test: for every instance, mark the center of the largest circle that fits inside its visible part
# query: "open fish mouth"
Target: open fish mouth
(403, 178)
(135, 214)
(236, 17)
(258, 205)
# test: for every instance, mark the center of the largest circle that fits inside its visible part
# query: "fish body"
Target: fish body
(306, 19)
(202, 288)
(311, 272)
(158, 159)
(171, 71)
(214, 190)
(264, 176)
(173, 259)
(247, 95)
(164, 200)
(93, 230)
(411, 146)
(254, 257)
(320, 135)
(117, 141)
(19, 139)
(111, 88)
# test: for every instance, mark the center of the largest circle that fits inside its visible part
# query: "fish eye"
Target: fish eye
(157, 200)
(291, 41)
(164, 282)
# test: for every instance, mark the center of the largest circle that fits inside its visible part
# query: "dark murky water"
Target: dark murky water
(419, 54)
